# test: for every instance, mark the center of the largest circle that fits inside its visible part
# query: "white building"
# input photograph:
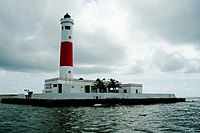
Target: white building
(67, 85)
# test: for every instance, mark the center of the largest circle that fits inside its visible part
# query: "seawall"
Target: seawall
(7, 96)
(65, 96)
(89, 102)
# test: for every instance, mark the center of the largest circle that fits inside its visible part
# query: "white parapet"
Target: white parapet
(99, 96)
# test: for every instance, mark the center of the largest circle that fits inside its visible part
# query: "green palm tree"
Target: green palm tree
(114, 84)
(100, 84)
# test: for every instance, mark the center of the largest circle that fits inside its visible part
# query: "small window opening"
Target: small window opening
(125, 91)
(67, 27)
(54, 85)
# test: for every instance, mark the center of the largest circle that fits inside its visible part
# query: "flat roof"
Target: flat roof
(69, 79)
(87, 80)
(131, 84)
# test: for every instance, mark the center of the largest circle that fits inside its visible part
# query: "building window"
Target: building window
(54, 85)
(69, 37)
(125, 91)
(87, 89)
(136, 91)
(48, 86)
(67, 27)
(62, 27)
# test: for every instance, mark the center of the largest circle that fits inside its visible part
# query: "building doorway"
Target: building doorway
(87, 89)
(59, 88)
(125, 90)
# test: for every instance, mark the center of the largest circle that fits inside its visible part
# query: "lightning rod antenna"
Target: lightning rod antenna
(66, 6)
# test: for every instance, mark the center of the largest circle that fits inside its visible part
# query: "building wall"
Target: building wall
(68, 86)
(131, 88)
(97, 96)
(136, 89)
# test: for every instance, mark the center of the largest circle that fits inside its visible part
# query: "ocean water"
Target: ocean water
(177, 117)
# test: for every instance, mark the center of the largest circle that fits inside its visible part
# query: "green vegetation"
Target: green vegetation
(113, 85)
(107, 86)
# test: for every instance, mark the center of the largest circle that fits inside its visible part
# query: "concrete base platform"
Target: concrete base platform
(7, 96)
(89, 102)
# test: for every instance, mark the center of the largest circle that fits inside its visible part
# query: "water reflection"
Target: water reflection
(86, 119)
(104, 119)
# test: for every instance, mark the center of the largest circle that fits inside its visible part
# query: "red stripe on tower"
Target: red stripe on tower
(66, 54)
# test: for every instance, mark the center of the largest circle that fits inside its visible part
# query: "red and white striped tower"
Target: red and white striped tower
(66, 47)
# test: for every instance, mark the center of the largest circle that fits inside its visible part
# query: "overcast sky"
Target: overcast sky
(153, 42)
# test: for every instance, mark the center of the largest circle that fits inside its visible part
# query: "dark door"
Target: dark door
(87, 89)
(59, 88)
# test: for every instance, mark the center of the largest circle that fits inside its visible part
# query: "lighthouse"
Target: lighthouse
(66, 47)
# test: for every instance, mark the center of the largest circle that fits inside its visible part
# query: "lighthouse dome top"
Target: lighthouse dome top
(67, 15)
(67, 19)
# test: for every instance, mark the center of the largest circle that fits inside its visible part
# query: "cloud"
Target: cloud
(138, 67)
(175, 62)
(31, 43)
(193, 66)
(98, 48)
(25, 43)
(176, 22)
(90, 1)
(168, 62)
(97, 69)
